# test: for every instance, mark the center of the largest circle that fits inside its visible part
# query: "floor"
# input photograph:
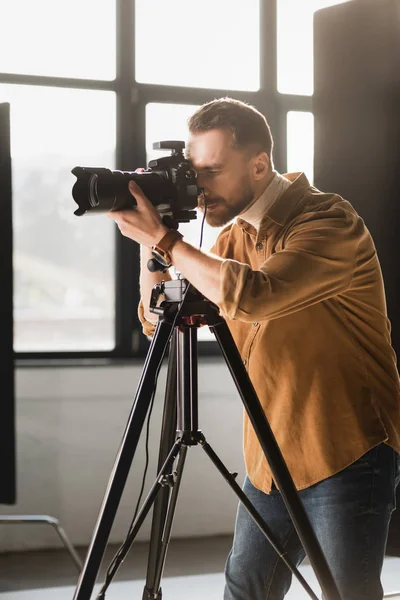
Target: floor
(194, 568)
(54, 568)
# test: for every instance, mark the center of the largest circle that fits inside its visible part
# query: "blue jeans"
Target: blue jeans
(350, 514)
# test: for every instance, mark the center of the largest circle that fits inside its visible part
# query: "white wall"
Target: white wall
(69, 425)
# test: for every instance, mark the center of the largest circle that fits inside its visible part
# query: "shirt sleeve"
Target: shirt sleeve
(148, 327)
(316, 263)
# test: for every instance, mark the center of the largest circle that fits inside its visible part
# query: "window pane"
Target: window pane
(63, 265)
(300, 143)
(295, 44)
(63, 39)
(204, 44)
(169, 122)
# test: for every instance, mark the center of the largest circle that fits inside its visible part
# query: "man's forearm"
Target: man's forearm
(148, 280)
(200, 269)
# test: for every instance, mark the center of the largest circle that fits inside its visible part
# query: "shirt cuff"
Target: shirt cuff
(148, 327)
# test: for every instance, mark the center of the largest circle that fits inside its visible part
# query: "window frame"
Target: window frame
(131, 99)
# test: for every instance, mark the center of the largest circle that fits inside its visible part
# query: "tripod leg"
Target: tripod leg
(156, 592)
(168, 435)
(254, 514)
(123, 462)
(164, 478)
(275, 459)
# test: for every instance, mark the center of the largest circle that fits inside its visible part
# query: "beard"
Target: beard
(224, 211)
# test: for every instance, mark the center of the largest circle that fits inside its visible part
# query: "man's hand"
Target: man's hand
(141, 224)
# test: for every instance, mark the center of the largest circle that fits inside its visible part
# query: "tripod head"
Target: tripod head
(183, 304)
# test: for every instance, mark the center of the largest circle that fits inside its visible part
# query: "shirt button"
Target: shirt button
(244, 361)
(259, 246)
(255, 324)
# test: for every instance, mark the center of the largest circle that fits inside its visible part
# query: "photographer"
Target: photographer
(296, 275)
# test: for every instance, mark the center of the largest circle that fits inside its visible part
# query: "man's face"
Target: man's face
(224, 172)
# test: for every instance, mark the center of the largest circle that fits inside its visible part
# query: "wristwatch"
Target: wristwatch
(161, 251)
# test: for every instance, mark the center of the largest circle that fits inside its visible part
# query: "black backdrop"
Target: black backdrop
(7, 404)
(357, 132)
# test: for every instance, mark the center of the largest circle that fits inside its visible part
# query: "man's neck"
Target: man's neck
(261, 190)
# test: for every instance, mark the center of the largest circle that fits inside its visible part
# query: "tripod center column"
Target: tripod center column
(187, 373)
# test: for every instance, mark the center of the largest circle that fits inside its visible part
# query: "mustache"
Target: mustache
(204, 200)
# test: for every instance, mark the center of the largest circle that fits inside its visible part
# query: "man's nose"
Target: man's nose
(201, 180)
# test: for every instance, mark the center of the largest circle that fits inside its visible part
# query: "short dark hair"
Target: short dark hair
(248, 126)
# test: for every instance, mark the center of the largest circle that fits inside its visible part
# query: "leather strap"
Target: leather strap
(161, 251)
(169, 240)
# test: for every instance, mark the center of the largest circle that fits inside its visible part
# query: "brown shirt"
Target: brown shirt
(304, 300)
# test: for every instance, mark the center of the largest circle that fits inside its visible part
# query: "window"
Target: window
(199, 43)
(63, 265)
(295, 44)
(300, 143)
(87, 87)
(63, 39)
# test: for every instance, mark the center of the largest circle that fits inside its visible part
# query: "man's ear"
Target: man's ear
(261, 165)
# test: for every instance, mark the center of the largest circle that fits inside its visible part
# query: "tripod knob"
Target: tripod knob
(153, 265)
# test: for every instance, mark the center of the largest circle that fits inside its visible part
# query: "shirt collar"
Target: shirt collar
(280, 210)
(283, 207)
(254, 214)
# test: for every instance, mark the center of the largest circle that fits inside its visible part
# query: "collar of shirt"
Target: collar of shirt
(282, 206)
(274, 190)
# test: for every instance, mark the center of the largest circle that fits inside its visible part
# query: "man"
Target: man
(297, 277)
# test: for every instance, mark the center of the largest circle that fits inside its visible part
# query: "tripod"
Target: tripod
(181, 312)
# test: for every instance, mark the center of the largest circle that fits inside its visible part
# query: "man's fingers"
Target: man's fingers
(137, 192)
(119, 215)
(141, 201)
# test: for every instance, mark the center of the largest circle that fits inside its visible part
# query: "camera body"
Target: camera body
(170, 184)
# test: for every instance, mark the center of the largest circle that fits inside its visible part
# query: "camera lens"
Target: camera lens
(93, 199)
(170, 184)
